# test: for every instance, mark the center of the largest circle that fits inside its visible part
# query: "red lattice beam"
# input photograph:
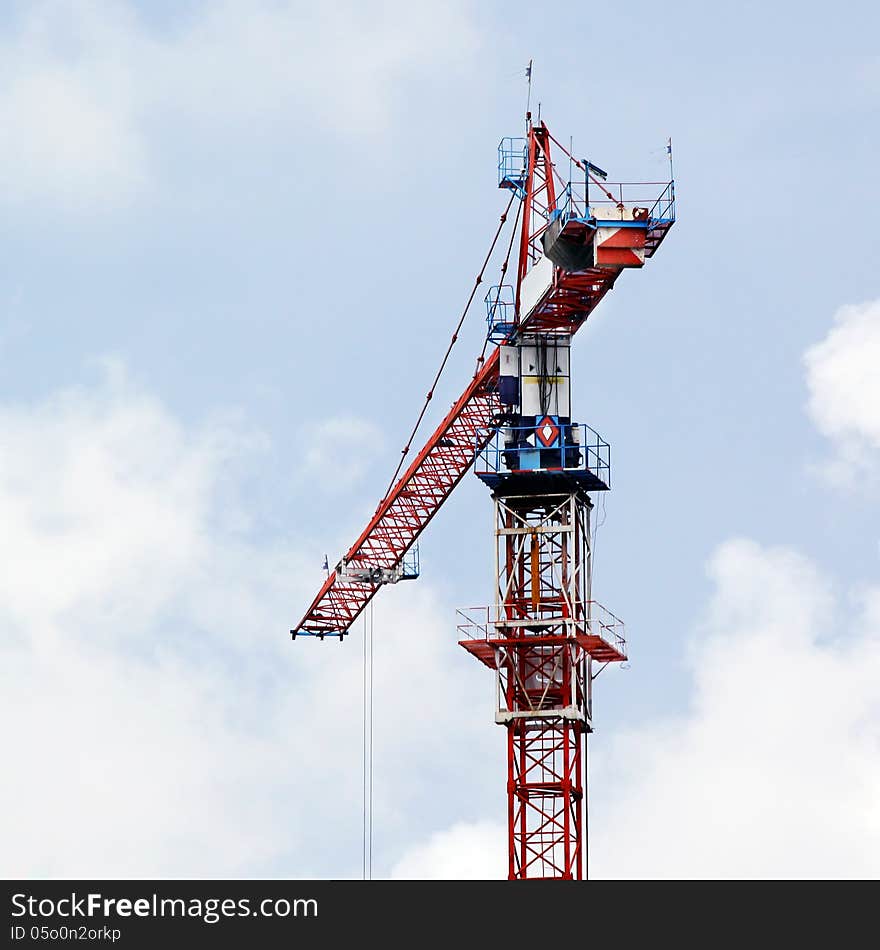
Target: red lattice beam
(410, 505)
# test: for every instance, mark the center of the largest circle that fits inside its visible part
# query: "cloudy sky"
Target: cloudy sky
(236, 238)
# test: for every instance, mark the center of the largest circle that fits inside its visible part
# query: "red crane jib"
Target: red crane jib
(444, 460)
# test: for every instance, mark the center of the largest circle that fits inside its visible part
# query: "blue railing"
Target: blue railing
(552, 447)
(512, 164)
(570, 204)
(663, 209)
(410, 564)
(500, 312)
(579, 199)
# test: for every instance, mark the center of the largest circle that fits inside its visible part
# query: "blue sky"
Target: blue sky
(238, 237)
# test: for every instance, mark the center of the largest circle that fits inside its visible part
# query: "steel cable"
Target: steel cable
(405, 451)
(482, 357)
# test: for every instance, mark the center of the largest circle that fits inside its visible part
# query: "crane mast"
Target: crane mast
(544, 636)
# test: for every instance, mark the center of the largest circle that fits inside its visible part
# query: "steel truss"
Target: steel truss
(542, 636)
(543, 592)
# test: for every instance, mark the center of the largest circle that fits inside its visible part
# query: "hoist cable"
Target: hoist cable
(370, 840)
(364, 770)
(481, 358)
(367, 774)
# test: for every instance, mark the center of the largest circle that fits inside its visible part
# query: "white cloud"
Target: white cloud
(123, 718)
(87, 91)
(775, 770)
(158, 721)
(474, 851)
(101, 499)
(68, 107)
(844, 386)
(64, 144)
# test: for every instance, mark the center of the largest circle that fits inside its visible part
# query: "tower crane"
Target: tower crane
(544, 636)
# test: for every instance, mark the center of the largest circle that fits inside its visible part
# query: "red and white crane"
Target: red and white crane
(544, 636)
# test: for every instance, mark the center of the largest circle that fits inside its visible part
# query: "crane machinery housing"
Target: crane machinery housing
(544, 636)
